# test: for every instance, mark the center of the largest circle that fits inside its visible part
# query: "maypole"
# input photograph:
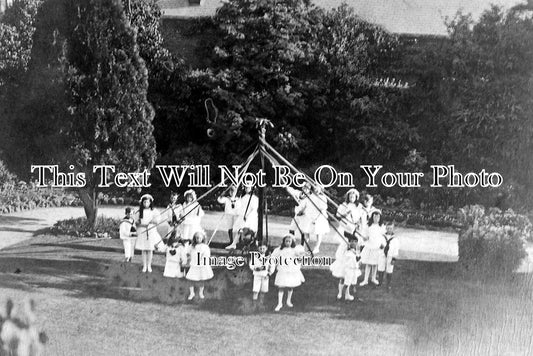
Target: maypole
(261, 125)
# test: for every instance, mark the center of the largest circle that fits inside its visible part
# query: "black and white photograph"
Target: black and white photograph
(266, 177)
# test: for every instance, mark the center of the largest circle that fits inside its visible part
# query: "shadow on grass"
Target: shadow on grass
(82, 245)
(12, 220)
(429, 298)
(16, 229)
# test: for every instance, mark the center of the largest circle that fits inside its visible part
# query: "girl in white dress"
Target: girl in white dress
(147, 220)
(319, 216)
(350, 215)
(376, 242)
(301, 222)
(174, 212)
(174, 259)
(346, 268)
(231, 212)
(248, 205)
(200, 270)
(367, 208)
(128, 235)
(289, 274)
(192, 215)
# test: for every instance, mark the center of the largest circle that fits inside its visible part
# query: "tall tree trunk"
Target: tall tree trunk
(90, 205)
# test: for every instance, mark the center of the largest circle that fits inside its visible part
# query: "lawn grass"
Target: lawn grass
(90, 303)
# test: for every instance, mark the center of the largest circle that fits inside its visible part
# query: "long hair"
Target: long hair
(198, 238)
(141, 207)
(371, 220)
(350, 192)
(289, 236)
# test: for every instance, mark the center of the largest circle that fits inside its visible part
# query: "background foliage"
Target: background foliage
(319, 76)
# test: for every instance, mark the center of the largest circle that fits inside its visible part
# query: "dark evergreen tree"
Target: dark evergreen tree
(110, 119)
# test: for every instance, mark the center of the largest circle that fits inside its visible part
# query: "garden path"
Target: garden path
(416, 244)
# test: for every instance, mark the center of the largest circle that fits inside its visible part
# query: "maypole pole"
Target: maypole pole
(261, 125)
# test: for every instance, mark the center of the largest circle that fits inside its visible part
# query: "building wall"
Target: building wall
(4, 4)
(190, 39)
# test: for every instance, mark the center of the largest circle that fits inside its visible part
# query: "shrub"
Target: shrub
(422, 219)
(5, 175)
(491, 242)
(23, 196)
(80, 227)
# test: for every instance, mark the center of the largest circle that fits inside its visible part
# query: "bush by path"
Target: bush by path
(105, 227)
(23, 196)
(492, 242)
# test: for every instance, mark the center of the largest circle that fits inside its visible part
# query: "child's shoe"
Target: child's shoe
(231, 247)
(376, 282)
(202, 296)
(144, 269)
(339, 296)
(289, 304)
(191, 296)
(363, 283)
(349, 297)
(149, 269)
(278, 308)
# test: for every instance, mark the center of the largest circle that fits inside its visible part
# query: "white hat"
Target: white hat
(190, 192)
(146, 196)
(354, 191)
(291, 236)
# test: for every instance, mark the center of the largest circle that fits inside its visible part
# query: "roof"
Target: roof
(419, 17)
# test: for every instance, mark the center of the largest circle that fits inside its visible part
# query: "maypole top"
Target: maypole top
(261, 124)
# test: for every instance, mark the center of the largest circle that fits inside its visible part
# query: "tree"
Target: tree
(16, 39)
(16, 32)
(490, 74)
(110, 118)
(263, 49)
(165, 71)
(310, 72)
(353, 109)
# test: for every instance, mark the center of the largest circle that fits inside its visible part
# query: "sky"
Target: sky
(398, 16)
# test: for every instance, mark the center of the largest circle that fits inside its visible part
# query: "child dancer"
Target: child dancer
(174, 211)
(346, 267)
(350, 215)
(319, 211)
(301, 222)
(375, 243)
(261, 270)
(248, 205)
(147, 235)
(246, 238)
(388, 256)
(192, 215)
(200, 270)
(352, 269)
(231, 211)
(367, 208)
(128, 234)
(289, 275)
(174, 259)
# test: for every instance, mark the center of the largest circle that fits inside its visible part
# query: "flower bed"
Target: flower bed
(492, 242)
(105, 227)
(23, 196)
